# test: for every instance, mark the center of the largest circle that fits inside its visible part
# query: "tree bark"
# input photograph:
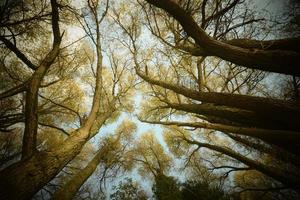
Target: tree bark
(69, 189)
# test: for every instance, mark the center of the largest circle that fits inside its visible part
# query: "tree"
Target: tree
(176, 137)
(219, 77)
(155, 163)
(39, 167)
(111, 153)
(166, 188)
(238, 51)
(185, 90)
(199, 190)
(128, 190)
(150, 155)
(253, 185)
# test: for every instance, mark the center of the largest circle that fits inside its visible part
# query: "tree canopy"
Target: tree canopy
(149, 99)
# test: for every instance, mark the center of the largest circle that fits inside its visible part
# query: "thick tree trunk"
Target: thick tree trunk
(23, 179)
(31, 106)
(69, 189)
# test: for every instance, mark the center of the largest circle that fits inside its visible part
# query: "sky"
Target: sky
(274, 5)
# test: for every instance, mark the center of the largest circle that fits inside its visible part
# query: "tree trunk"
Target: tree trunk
(31, 106)
(23, 179)
(69, 189)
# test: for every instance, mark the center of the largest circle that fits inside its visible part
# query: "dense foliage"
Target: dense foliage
(187, 99)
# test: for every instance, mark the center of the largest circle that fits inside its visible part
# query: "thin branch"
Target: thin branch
(18, 53)
(54, 127)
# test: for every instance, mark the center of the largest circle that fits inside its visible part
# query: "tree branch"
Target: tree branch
(280, 61)
(31, 106)
(285, 139)
(18, 53)
(54, 127)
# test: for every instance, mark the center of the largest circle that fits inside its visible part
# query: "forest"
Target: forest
(150, 99)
